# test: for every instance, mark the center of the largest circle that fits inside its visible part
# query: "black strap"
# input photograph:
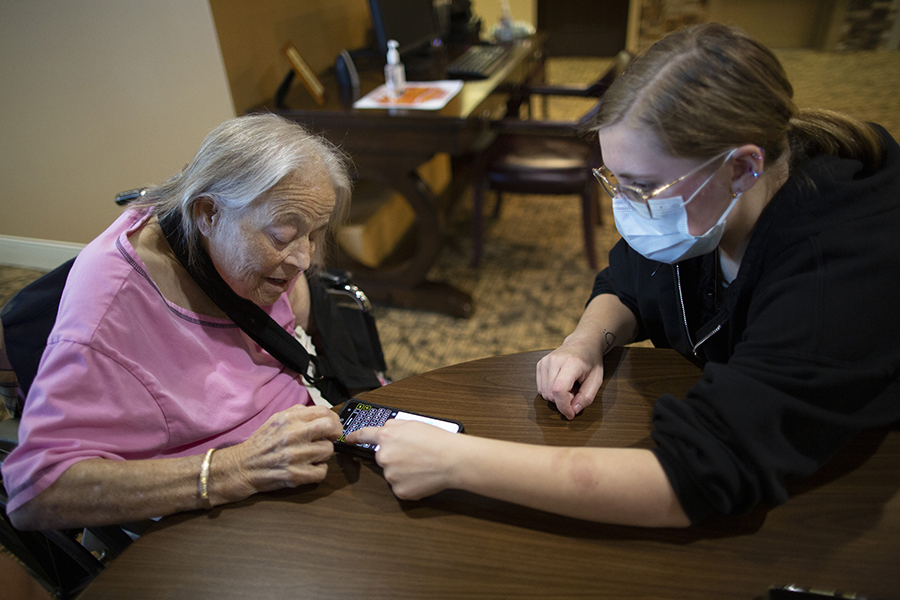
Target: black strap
(261, 328)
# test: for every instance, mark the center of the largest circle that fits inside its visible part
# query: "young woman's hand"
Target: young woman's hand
(571, 375)
(417, 458)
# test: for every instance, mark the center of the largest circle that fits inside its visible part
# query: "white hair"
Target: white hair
(243, 158)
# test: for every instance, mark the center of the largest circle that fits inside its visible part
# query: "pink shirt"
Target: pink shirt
(128, 375)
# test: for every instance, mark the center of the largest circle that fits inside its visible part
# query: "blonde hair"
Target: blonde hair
(241, 159)
(708, 88)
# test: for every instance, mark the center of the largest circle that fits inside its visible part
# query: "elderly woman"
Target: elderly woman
(144, 376)
(758, 240)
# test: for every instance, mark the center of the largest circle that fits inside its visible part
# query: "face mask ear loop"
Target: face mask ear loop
(734, 200)
(708, 179)
(697, 191)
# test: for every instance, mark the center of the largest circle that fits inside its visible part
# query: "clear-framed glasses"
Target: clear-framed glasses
(638, 197)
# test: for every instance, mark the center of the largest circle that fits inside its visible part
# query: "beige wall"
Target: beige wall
(489, 11)
(252, 33)
(104, 95)
(99, 96)
(776, 23)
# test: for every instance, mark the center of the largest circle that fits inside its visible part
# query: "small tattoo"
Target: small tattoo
(610, 338)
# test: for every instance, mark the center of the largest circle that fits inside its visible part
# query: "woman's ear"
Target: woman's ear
(206, 214)
(748, 167)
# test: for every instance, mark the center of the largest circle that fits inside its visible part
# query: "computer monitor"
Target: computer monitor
(411, 22)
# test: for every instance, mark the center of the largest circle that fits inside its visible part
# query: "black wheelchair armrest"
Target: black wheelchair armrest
(9, 436)
(337, 283)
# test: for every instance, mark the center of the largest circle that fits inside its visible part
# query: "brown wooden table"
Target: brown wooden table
(387, 146)
(349, 537)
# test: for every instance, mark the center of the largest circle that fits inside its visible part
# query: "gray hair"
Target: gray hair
(241, 159)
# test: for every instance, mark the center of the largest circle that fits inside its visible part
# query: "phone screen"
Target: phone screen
(451, 426)
(356, 415)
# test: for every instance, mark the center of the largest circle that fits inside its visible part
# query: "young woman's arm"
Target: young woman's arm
(624, 486)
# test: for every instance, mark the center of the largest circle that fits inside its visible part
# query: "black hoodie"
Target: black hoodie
(799, 353)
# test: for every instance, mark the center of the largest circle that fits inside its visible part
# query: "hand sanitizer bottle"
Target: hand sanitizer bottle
(394, 71)
(504, 31)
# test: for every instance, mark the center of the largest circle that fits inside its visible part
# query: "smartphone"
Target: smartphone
(793, 592)
(356, 415)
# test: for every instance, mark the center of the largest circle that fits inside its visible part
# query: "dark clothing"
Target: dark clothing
(799, 353)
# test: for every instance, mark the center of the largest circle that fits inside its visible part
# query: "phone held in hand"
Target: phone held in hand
(356, 415)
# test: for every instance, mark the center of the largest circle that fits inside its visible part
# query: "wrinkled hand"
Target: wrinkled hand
(289, 450)
(415, 456)
(576, 361)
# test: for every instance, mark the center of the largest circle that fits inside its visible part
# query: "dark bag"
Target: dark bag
(348, 337)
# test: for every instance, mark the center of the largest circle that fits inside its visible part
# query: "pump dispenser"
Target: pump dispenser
(504, 29)
(394, 71)
(505, 15)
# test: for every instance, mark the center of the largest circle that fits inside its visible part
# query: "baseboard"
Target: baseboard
(31, 253)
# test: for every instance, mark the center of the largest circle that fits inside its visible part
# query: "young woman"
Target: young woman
(758, 240)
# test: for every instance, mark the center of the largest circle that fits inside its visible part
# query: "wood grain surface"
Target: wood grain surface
(349, 537)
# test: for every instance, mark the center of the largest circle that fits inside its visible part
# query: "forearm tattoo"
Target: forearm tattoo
(610, 338)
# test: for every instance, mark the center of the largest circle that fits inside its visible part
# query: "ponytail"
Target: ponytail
(815, 132)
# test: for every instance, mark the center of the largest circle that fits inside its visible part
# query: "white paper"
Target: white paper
(417, 95)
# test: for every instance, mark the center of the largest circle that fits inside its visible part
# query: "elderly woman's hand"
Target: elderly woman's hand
(289, 450)
(417, 458)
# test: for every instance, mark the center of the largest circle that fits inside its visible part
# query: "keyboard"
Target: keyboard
(367, 416)
(478, 62)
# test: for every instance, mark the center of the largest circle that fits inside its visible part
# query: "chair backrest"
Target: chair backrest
(578, 128)
(27, 320)
(599, 87)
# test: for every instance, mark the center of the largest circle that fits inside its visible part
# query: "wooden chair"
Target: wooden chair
(544, 157)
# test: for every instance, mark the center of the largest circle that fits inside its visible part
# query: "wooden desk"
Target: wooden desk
(349, 537)
(387, 146)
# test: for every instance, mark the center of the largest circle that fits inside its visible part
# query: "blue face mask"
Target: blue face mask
(665, 238)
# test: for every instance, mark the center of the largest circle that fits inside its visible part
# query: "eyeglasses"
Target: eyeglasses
(637, 197)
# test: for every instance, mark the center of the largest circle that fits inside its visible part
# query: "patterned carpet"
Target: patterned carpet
(534, 279)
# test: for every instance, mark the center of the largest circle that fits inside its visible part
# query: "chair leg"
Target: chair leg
(499, 202)
(588, 209)
(598, 210)
(477, 218)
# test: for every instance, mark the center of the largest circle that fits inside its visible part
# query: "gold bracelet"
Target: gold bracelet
(204, 479)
